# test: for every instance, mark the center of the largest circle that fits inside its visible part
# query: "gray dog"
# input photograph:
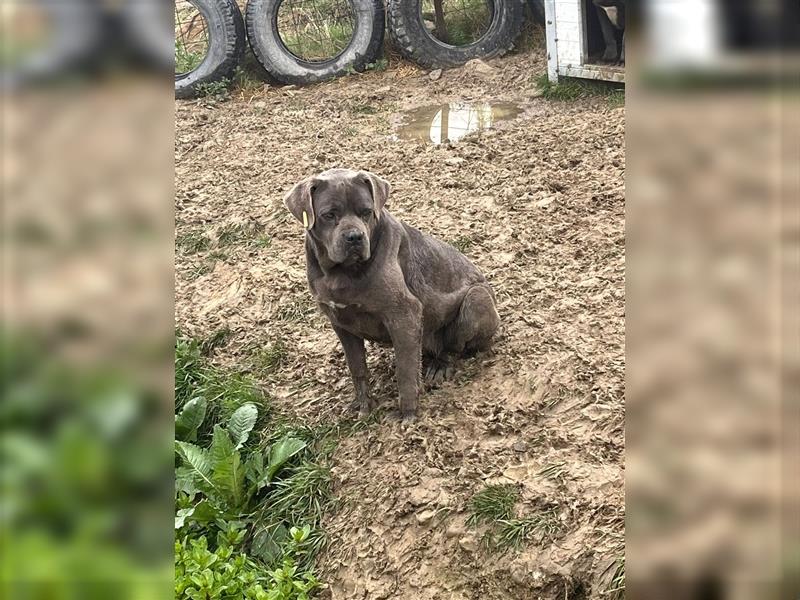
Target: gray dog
(378, 279)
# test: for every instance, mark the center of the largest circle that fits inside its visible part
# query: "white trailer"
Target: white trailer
(568, 43)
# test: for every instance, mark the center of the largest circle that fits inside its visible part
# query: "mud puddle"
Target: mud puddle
(439, 123)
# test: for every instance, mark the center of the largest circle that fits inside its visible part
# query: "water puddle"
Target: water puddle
(439, 123)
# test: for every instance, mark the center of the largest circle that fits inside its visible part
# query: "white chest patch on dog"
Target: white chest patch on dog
(333, 304)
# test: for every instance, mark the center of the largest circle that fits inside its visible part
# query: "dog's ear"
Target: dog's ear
(300, 202)
(380, 190)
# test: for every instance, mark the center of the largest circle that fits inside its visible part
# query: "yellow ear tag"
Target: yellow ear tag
(305, 219)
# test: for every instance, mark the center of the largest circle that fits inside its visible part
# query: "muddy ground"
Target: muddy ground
(538, 204)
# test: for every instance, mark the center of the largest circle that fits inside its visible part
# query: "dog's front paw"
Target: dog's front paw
(364, 411)
(363, 405)
(407, 417)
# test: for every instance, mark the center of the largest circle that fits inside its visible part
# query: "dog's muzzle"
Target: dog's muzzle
(355, 245)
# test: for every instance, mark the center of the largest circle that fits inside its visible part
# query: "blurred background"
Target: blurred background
(714, 357)
(86, 453)
(712, 230)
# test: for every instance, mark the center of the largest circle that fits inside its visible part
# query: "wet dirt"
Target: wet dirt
(442, 123)
(538, 205)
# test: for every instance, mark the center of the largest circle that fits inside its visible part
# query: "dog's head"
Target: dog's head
(340, 209)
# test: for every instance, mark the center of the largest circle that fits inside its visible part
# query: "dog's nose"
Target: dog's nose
(353, 236)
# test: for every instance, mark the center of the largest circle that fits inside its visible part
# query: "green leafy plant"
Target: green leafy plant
(262, 495)
(227, 573)
(83, 465)
(228, 481)
(217, 90)
(379, 65)
(189, 420)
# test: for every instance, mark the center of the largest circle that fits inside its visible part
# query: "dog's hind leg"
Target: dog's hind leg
(476, 322)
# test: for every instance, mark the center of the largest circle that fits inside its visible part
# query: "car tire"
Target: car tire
(261, 19)
(226, 41)
(416, 43)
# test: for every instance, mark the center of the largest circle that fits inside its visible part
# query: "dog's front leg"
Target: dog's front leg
(357, 363)
(405, 329)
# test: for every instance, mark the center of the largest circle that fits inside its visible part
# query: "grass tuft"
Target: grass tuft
(303, 493)
(569, 89)
(492, 504)
(187, 60)
(540, 528)
(193, 242)
(364, 109)
(494, 507)
(219, 338)
(294, 312)
(270, 358)
(462, 243)
(616, 588)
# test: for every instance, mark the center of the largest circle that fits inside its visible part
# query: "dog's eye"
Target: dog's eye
(329, 216)
(365, 214)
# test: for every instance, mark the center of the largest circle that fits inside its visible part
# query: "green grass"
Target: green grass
(568, 90)
(219, 338)
(364, 109)
(224, 392)
(237, 234)
(325, 40)
(616, 591)
(279, 526)
(512, 533)
(269, 358)
(295, 312)
(493, 507)
(275, 532)
(465, 21)
(462, 243)
(493, 503)
(301, 496)
(186, 60)
(232, 234)
(263, 241)
(193, 242)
